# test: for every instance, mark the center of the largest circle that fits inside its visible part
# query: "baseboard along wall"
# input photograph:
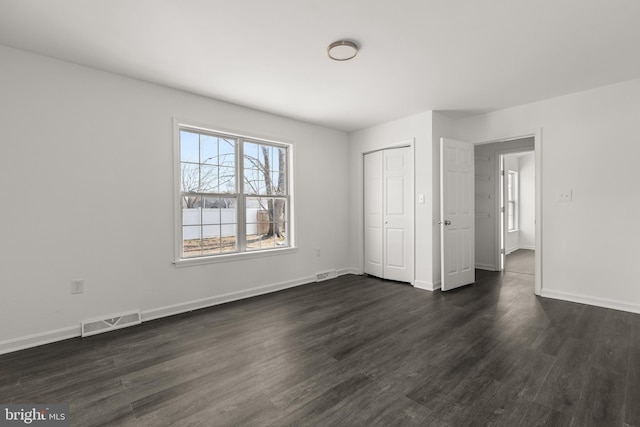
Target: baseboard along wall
(75, 331)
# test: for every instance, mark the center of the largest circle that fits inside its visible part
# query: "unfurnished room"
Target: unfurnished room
(319, 213)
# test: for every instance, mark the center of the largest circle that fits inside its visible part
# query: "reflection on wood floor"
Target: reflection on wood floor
(520, 261)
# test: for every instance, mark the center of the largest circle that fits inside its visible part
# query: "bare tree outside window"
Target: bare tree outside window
(266, 176)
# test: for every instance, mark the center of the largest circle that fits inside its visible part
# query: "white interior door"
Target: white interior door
(373, 218)
(457, 213)
(389, 214)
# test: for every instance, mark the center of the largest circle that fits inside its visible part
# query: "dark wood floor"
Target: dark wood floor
(520, 261)
(348, 352)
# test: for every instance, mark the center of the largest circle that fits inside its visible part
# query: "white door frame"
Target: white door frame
(398, 144)
(537, 136)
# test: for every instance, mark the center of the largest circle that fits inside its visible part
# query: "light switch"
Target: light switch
(564, 196)
(420, 198)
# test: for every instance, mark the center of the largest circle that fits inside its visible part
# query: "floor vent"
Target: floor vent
(326, 275)
(111, 323)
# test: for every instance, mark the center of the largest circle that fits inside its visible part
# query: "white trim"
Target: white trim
(527, 247)
(183, 307)
(598, 302)
(538, 217)
(510, 250)
(350, 270)
(427, 286)
(47, 337)
(488, 267)
(237, 256)
(41, 338)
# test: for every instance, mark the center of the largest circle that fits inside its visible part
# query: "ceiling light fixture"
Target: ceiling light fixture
(342, 50)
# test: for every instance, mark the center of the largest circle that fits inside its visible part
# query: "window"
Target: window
(512, 201)
(233, 194)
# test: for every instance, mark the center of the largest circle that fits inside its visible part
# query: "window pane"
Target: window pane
(511, 215)
(251, 155)
(263, 189)
(279, 183)
(227, 152)
(211, 211)
(257, 222)
(189, 177)
(227, 180)
(191, 214)
(208, 149)
(264, 157)
(209, 179)
(189, 201)
(191, 240)
(228, 213)
(279, 221)
(280, 158)
(211, 245)
(253, 205)
(252, 181)
(228, 242)
(189, 147)
(266, 222)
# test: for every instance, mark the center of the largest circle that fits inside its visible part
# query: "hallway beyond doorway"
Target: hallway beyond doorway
(520, 261)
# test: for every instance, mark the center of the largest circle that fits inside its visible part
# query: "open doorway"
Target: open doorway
(517, 212)
(500, 239)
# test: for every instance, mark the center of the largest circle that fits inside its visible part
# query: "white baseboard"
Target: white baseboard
(34, 340)
(427, 286)
(489, 267)
(585, 299)
(527, 247)
(48, 337)
(184, 307)
(349, 270)
(509, 250)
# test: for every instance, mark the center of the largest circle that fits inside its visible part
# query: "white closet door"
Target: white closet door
(389, 214)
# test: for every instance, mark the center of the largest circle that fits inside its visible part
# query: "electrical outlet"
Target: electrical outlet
(564, 196)
(420, 198)
(77, 286)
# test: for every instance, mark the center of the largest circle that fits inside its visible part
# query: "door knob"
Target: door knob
(445, 222)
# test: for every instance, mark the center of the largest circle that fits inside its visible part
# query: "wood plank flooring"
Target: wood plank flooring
(353, 351)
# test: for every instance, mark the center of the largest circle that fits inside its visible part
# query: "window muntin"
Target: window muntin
(229, 206)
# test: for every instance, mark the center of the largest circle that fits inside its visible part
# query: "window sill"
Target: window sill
(233, 257)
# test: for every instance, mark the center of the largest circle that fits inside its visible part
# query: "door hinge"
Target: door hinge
(502, 209)
(502, 251)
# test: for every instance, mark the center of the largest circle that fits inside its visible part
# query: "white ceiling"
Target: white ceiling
(461, 56)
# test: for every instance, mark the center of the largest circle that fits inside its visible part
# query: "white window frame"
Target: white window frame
(512, 200)
(242, 252)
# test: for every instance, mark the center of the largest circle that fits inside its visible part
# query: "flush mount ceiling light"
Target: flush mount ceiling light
(342, 50)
